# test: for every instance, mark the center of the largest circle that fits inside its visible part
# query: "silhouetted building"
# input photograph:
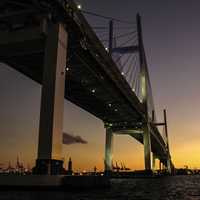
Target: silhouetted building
(70, 170)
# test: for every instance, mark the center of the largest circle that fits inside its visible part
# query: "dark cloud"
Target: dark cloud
(71, 139)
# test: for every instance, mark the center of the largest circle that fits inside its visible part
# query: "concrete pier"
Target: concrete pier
(153, 162)
(108, 150)
(52, 102)
(169, 169)
(147, 147)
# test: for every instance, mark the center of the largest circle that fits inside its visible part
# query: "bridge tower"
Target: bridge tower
(144, 88)
(108, 162)
(109, 133)
(144, 95)
(165, 163)
(49, 159)
(148, 123)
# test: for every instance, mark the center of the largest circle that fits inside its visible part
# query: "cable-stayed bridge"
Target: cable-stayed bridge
(102, 69)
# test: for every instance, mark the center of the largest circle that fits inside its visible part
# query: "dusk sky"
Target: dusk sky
(171, 31)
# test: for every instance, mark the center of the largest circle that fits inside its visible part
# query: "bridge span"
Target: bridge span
(51, 42)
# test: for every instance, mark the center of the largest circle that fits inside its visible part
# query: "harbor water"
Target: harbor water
(162, 188)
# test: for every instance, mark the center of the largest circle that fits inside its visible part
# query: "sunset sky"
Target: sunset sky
(171, 32)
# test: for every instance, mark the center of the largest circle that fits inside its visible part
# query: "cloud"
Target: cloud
(71, 139)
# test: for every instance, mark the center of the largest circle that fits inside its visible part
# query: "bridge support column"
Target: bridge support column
(154, 162)
(160, 165)
(49, 159)
(108, 151)
(147, 148)
(169, 169)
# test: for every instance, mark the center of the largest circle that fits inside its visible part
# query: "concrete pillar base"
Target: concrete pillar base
(48, 167)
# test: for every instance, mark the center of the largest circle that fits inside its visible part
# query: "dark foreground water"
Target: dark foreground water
(165, 188)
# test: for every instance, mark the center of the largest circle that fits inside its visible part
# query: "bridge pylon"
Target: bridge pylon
(166, 161)
(144, 81)
(147, 147)
(169, 163)
(108, 150)
(154, 162)
(49, 159)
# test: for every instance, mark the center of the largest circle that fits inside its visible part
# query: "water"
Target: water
(165, 188)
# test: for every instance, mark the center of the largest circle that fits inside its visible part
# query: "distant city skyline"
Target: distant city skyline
(171, 32)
